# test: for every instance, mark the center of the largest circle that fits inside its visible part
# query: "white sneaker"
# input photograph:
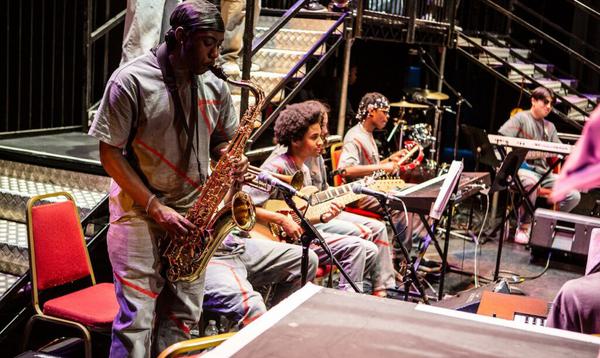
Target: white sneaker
(522, 236)
(231, 68)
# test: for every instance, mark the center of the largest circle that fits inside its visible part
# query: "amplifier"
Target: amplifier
(562, 231)
(469, 300)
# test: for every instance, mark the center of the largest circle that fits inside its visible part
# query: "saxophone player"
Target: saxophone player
(162, 116)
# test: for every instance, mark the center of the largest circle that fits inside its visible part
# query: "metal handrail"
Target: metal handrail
(520, 21)
(251, 46)
(561, 115)
(562, 31)
(259, 43)
(90, 37)
(543, 71)
(258, 132)
(586, 8)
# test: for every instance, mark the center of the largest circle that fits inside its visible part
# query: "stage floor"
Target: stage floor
(515, 263)
(79, 147)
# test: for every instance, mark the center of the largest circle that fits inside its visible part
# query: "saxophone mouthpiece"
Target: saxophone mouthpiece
(218, 71)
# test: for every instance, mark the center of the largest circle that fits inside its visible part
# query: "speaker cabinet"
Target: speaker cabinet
(562, 231)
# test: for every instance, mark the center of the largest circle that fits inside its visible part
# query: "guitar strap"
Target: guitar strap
(162, 56)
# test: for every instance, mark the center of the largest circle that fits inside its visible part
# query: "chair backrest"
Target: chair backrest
(336, 151)
(57, 250)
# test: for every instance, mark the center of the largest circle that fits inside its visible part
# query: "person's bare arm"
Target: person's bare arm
(119, 169)
(359, 171)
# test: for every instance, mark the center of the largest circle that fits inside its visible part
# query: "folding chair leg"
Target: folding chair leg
(87, 337)
(27, 332)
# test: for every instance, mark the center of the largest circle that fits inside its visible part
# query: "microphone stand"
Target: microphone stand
(459, 101)
(309, 235)
(383, 203)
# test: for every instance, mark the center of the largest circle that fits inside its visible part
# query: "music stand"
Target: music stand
(506, 176)
(477, 139)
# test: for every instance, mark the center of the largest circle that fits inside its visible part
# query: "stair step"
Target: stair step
(548, 67)
(526, 68)
(502, 52)
(580, 102)
(6, 282)
(292, 39)
(464, 43)
(14, 251)
(553, 85)
(15, 193)
(592, 96)
(266, 80)
(572, 82)
(47, 175)
(299, 23)
(522, 52)
(278, 61)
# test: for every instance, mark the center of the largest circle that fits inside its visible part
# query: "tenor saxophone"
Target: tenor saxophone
(187, 256)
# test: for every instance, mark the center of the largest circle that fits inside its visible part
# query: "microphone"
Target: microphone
(281, 185)
(358, 188)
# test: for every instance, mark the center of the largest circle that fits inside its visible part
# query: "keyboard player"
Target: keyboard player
(532, 124)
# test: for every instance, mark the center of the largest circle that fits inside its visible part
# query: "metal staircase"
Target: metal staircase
(504, 56)
(283, 52)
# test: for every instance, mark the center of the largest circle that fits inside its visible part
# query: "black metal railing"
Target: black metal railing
(55, 56)
(41, 69)
(100, 39)
(290, 87)
(411, 16)
(564, 117)
(522, 23)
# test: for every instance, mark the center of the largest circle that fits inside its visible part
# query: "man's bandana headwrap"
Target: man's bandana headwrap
(194, 15)
(369, 104)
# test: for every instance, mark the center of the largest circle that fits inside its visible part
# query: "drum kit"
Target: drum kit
(422, 133)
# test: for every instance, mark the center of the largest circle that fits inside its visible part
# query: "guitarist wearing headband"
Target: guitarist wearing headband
(532, 124)
(360, 155)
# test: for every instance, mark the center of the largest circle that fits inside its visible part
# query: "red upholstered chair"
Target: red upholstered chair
(336, 151)
(58, 256)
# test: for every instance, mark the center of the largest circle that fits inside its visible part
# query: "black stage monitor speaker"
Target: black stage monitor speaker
(468, 301)
(562, 231)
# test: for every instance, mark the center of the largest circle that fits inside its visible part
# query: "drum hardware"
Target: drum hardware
(406, 104)
(418, 94)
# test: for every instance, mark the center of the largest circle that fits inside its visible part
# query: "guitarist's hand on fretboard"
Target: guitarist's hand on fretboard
(334, 210)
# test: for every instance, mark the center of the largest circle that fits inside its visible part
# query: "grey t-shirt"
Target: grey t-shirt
(137, 109)
(279, 164)
(316, 167)
(523, 125)
(359, 148)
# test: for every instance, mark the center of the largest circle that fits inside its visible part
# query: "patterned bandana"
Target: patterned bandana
(366, 105)
(197, 15)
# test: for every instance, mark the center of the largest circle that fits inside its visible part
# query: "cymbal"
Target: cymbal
(438, 96)
(404, 104)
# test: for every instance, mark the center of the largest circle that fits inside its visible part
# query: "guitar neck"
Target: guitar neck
(330, 194)
(345, 199)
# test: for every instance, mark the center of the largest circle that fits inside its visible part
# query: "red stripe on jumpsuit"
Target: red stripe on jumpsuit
(362, 148)
(244, 293)
(171, 165)
(136, 287)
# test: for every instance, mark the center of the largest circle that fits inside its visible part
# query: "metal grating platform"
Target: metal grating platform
(6, 281)
(14, 253)
(16, 192)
